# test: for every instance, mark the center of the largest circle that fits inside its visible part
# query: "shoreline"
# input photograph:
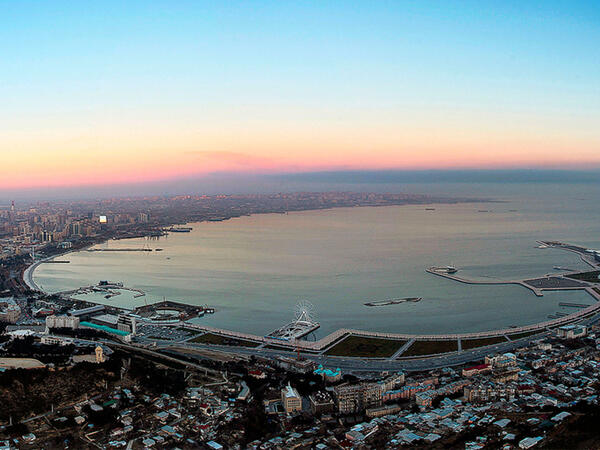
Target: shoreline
(29, 272)
(28, 276)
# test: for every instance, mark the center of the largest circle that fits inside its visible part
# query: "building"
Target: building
(244, 392)
(357, 397)
(321, 403)
(62, 322)
(108, 320)
(292, 402)
(501, 361)
(410, 390)
(126, 323)
(383, 410)
(330, 376)
(507, 374)
(295, 365)
(393, 381)
(55, 340)
(86, 313)
(476, 370)
(9, 312)
(99, 355)
(258, 374)
(426, 398)
(479, 394)
(572, 331)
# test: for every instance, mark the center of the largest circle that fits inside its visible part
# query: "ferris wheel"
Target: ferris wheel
(304, 312)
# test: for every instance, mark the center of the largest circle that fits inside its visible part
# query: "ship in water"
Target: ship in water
(394, 301)
(450, 269)
(179, 230)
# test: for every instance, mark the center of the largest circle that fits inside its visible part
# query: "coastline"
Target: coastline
(327, 340)
(30, 270)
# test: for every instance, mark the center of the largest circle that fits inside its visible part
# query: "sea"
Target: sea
(254, 270)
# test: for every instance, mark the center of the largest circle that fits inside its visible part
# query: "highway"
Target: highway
(353, 364)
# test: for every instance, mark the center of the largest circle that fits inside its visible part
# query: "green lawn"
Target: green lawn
(421, 348)
(474, 343)
(591, 277)
(209, 338)
(367, 347)
(514, 337)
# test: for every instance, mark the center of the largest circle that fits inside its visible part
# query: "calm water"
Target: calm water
(254, 269)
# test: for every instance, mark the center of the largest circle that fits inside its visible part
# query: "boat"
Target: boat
(394, 301)
(108, 284)
(451, 269)
(179, 229)
(158, 249)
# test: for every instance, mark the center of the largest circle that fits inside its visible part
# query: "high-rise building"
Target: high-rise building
(357, 397)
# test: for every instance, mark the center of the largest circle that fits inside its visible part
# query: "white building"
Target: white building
(291, 400)
(55, 340)
(126, 323)
(62, 322)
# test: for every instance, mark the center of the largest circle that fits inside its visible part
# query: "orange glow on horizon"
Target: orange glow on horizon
(125, 155)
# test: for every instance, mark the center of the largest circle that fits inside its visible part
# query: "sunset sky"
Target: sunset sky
(102, 92)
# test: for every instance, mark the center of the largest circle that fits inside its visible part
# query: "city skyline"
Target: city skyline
(139, 93)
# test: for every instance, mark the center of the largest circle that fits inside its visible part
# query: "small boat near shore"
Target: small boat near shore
(394, 301)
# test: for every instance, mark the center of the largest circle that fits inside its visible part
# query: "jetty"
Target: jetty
(442, 272)
(394, 301)
(119, 250)
(573, 305)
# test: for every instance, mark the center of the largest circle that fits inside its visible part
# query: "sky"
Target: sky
(115, 93)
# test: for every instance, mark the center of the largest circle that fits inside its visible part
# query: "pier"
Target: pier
(573, 305)
(120, 250)
(303, 325)
(443, 273)
(394, 301)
